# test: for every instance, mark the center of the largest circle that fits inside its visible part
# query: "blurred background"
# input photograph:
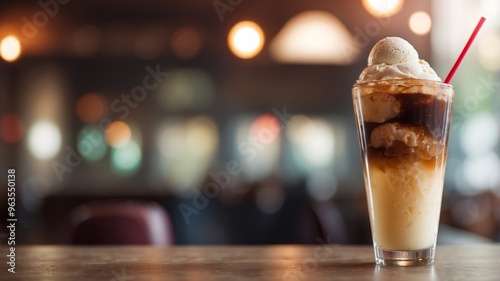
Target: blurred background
(226, 121)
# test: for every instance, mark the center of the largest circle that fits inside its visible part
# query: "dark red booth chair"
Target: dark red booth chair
(119, 222)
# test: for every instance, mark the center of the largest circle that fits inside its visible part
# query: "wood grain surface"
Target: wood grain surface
(288, 262)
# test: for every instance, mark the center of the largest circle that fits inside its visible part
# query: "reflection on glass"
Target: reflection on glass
(44, 140)
(126, 159)
(91, 143)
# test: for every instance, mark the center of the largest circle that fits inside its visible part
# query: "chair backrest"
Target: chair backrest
(322, 220)
(120, 222)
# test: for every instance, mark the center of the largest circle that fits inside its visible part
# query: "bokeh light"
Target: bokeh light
(184, 89)
(171, 139)
(197, 136)
(202, 136)
(266, 128)
(10, 48)
(313, 140)
(118, 133)
(188, 148)
(481, 172)
(44, 140)
(11, 128)
(314, 37)
(246, 39)
(270, 197)
(126, 159)
(149, 44)
(186, 43)
(420, 23)
(91, 143)
(257, 145)
(383, 8)
(90, 107)
(479, 139)
(489, 52)
(480, 134)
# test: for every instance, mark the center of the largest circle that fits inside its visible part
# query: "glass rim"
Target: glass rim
(405, 81)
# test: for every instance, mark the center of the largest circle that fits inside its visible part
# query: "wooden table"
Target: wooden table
(316, 262)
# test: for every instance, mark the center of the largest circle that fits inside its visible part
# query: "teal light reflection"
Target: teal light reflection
(126, 160)
(91, 144)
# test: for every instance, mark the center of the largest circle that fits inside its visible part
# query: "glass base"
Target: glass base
(404, 258)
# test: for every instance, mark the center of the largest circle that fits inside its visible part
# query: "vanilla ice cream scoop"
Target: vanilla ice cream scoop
(392, 50)
(395, 58)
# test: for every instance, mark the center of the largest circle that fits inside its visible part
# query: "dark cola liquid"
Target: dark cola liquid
(424, 113)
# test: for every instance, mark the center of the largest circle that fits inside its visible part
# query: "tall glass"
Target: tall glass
(403, 127)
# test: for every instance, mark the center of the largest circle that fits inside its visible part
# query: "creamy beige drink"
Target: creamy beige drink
(403, 114)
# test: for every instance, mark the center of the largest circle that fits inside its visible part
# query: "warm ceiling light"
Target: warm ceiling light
(314, 37)
(383, 8)
(246, 39)
(10, 48)
(420, 23)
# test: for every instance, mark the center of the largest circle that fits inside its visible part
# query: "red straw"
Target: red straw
(464, 51)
